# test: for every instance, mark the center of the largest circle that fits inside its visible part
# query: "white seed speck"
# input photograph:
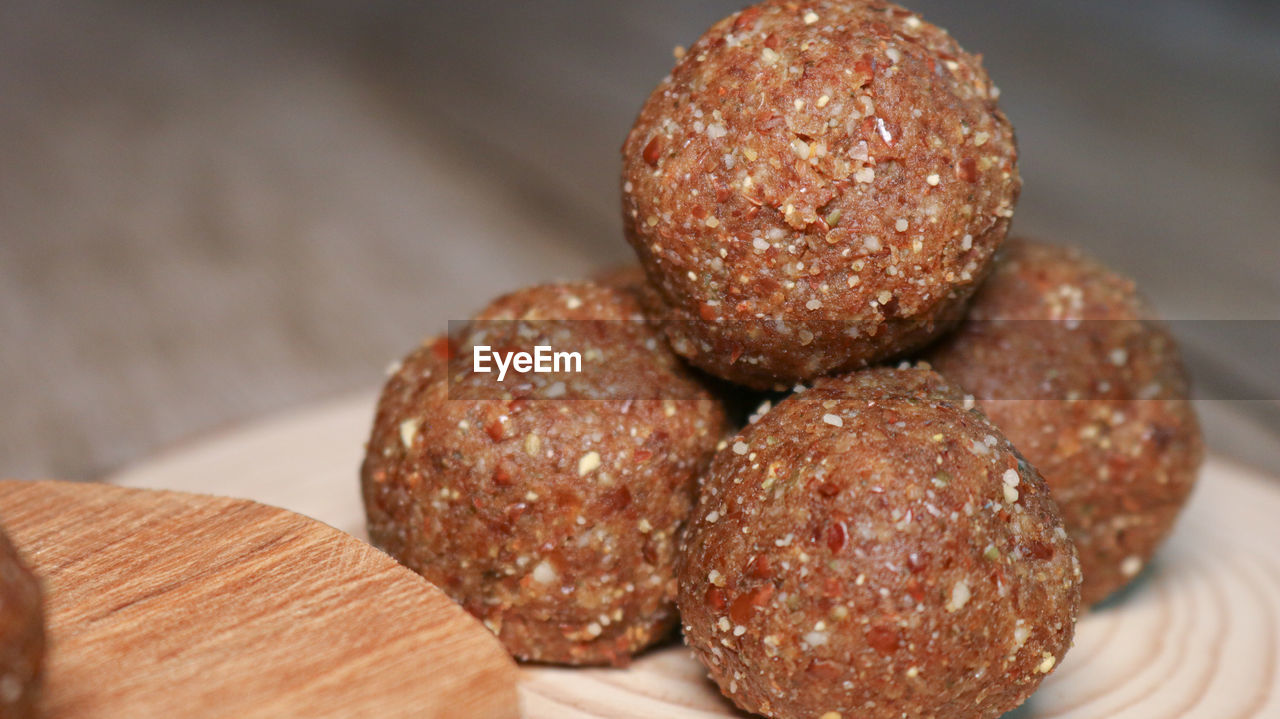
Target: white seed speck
(724, 624)
(589, 462)
(1131, 566)
(810, 17)
(760, 244)
(1020, 634)
(815, 639)
(980, 138)
(966, 243)
(959, 597)
(544, 573)
(1047, 664)
(901, 225)
(884, 131)
(933, 179)
(871, 243)
(572, 302)
(408, 432)
(822, 101)
(713, 222)
(740, 448)
(1011, 477)
(813, 304)
(1119, 356)
(715, 577)
(1010, 494)
(713, 517)
(739, 630)
(716, 131)
(894, 55)
(865, 175)
(644, 526)
(833, 419)
(770, 57)
(884, 297)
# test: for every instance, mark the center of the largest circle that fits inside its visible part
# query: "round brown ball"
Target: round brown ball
(816, 187)
(553, 520)
(1066, 358)
(22, 635)
(869, 548)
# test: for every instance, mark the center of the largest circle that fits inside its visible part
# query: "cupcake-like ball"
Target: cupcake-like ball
(550, 515)
(870, 548)
(22, 635)
(1068, 360)
(816, 186)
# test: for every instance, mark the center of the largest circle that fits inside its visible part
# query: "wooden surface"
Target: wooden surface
(213, 210)
(1197, 637)
(165, 604)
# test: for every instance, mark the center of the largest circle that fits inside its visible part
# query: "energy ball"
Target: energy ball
(553, 520)
(870, 548)
(816, 187)
(1066, 359)
(22, 638)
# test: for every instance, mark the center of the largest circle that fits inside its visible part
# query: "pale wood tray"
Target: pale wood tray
(167, 604)
(1197, 636)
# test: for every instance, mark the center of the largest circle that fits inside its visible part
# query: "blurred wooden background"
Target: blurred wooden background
(209, 211)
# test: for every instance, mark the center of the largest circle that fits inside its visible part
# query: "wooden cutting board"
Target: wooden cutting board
(1196, 637)
(167, 604)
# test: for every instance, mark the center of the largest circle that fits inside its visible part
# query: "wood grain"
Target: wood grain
(166, 604)
(1197, 636)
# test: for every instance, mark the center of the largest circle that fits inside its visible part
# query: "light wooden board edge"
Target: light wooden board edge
(164, 604)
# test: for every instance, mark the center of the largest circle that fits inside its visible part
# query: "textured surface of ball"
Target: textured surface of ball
(553, 520)
(870, 548)
(816, 186)
(1069, 361)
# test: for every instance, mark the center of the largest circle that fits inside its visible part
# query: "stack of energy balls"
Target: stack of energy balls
(817, 189)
